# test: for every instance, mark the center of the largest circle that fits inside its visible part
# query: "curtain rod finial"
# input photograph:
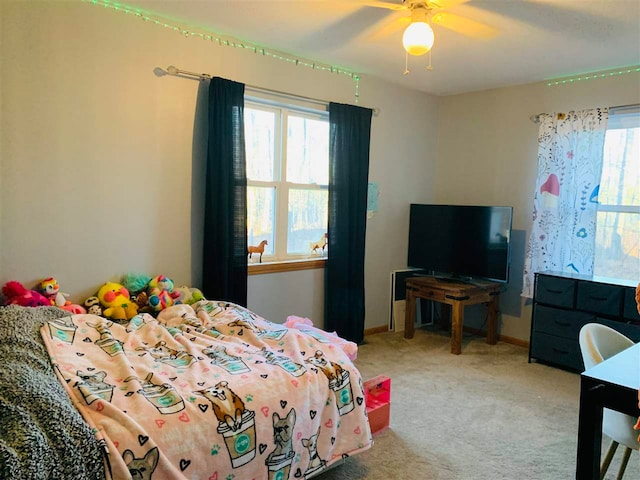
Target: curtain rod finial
(171, 70)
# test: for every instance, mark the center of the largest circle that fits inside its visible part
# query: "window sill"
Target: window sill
(289, 266)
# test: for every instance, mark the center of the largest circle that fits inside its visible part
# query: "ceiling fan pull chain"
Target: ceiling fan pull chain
(429, 66)
(406, 64)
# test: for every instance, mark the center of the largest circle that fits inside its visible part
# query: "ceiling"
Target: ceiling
(497, 42)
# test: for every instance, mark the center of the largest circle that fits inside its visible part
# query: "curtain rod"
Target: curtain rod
(536, 118)
(177, 72)
(613, 110)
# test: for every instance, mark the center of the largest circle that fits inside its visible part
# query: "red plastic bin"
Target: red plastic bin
(377, 394)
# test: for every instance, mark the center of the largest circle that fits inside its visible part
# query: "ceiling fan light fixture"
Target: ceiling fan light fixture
(418, 38)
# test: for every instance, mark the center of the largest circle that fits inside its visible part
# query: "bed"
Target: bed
(204, 391)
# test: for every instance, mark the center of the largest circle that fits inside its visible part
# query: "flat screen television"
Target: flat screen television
(461, 242)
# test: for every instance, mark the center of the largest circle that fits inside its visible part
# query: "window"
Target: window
(287, 149)
(617, 252)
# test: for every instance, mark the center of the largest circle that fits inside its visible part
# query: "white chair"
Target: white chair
(597, 343)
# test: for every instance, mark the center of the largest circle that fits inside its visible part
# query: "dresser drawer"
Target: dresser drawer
(627, 329)
(630, 306)
(600, 298)
(561, 323)
(560, 351)
(555, 291)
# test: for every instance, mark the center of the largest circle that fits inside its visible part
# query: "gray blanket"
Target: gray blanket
(42, 435)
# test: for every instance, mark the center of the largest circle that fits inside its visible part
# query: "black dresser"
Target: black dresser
(563, 303)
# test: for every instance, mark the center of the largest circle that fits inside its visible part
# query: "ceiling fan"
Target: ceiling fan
(418, 37)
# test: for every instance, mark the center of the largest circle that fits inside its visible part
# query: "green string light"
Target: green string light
(594, 76)
(188, 33)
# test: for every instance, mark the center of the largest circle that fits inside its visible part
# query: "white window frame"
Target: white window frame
(620, 122)
(279, 184)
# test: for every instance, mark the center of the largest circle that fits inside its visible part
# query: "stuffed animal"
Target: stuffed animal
(17, 294)
(135, 282)
(49, 288)
(161, 293)
(74, 308)
(116, 302)
(92, 304)
(142, 300)
(188, 295)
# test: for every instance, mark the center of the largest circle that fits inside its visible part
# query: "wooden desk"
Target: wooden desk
(456, 295)
(612, 384)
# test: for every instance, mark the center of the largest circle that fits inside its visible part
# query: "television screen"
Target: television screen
(461, 241)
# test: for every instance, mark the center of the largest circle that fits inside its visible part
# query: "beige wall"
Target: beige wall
(97, 158)
(1, 125)
(488, 155)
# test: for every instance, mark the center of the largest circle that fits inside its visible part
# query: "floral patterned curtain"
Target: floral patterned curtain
(570, 149)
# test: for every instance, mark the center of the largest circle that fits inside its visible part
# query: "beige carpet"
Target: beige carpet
(485, 414)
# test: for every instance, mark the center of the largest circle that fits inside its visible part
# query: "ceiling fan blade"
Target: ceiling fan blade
(389, 29)
(389, 5)
(437, 4)
(407, 4)
(463, 25)
(345, 29)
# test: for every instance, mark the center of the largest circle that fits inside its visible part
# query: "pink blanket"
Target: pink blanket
(306, 325)
(211, 392)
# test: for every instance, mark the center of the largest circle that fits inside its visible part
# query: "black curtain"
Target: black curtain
(224, 259)
(349, 131)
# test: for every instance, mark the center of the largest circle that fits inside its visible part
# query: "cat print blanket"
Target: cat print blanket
(210, 391)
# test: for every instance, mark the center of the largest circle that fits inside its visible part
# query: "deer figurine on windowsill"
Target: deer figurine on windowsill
(257, 249)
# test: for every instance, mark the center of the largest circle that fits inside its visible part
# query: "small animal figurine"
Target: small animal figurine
(259, 249)
(227, 406)
(320, 244)
(141, 468)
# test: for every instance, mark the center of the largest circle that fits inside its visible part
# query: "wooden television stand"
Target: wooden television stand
(456, 295)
